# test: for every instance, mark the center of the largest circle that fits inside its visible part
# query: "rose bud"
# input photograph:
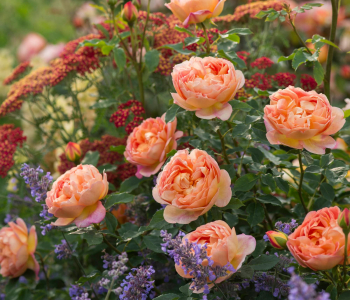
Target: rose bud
(130, 13)
(278, 239)
(73, 151)
(344, 220)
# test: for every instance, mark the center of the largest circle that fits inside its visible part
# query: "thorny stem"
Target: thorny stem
(80, 266)
(206, 37)
(43, 265)
(223, 146)
(297, 33)
(301, 183)
(327, 77)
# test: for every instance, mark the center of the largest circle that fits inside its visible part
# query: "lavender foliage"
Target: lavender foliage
(191, 256)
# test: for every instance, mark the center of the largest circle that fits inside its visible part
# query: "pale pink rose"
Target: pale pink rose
(149, 143)
(318, 243)
(75, 197)
(190, 184)
(50, 52)
(205, 85)
(17, 249)
(195, 11)
(300, 119)
(31, 45)
(223, 247)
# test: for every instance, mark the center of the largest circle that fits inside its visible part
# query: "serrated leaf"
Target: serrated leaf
(240, 31)
(256, 214)
(268, 180)
(89, 277)
(152, 60)
(299, 59)
(111, 222)
(91, 158)
(157, 221)
(236, 104)
(245, 183)
(93, 237)
(282, 184)
(117, 198)
(153, 243)
(119, 58)
(171, 113)
(269, 199)
(318, 72)
(232, 37)
(327, 191)
(231, 219)
(285, 58)
(264, 262)
(246, 272)
(130, 184)
(194, 40)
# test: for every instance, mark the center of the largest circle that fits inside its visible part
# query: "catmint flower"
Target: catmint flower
(38, 185)
(8, 218)
(46, 228)
(286, 228)
(63, 251)
(78, 293)
(138, 284)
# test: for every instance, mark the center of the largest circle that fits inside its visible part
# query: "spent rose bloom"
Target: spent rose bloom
(75, 197)
(17, 249)
(205, 85)
(31, 45)
(190, 184)
(223, 246)
(318, 243)
(195, 11)
(149, 143)
(300, 119)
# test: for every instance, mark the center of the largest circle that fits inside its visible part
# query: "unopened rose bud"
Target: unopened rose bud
(130, 13)
(73, 151)
(344, 220)
(278, 239)
(137, 3)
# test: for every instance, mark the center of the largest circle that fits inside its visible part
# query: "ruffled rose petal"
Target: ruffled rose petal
(63, 221)
(197, 17)
(174, 215)
(319, 144)
(91, 214)
(225, 191)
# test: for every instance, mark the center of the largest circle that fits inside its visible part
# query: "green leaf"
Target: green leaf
(181, 29)
(233, 57)
(236, 104)
(326, 160)
(171, 113)
(245, 183)
(274, 159)
(299, 58)
(116, 198)
(268, 180)
(344, 295)
(234, 204)
(282, 184)
(130, 184)
(157, 221)
(285, 58)
(318, 72)
(185, 289)
(167, 297)
(178, 48)
(327, 191)
(246, 272)
(259, 249)
(92, 237)
(313, 169)
(269, 199)
(272, 16)
(106, 168)
(106, 49)
(194, 40)
(89, 277)
(152, 60)
(119, 58)
(111, 222)
(120, 149)
(91, 158)
(321, 203)
(232, 37)
(153, 243)
(320, 39)
(103, 103)
(256, 214)
(240, 31)
(232, 220)
(264, 262)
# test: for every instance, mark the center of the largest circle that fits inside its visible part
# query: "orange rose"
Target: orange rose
(205, 85)
(195, 11)
(190, 184)
(300, 119)
(223, 247)
(149, 143)
(75, 197)
(318, 243)
(17, 249)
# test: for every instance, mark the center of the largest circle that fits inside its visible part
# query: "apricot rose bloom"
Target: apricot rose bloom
(195, 11)
(149, 143)
(318, 243)
(17, 249)
(300, 119)
(75, 197)
(205, 85)
(190, 184)
(223, 246)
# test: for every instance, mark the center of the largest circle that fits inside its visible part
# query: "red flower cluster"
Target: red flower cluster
(123, 171)
(251, 9)
(307, 82)
(20, 69)
(121, 115)
(262, 63)
(243, 55)
(10, 138)
(82, 60)
(284, 79)
(261, 81)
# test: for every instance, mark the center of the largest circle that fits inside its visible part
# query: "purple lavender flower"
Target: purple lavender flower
(190, 256)
(46, 228)
(300, 290)
(78, 293)
(8, 218)
(45, 212)
(137, 286)
(269, 283)
(38, 185)
(63, 251)
(287, 228)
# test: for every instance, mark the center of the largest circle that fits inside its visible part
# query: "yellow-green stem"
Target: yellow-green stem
(206, 38)
(301, 183)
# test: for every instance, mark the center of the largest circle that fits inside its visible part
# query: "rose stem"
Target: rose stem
(301, 182)
(206, 37)
(46, 277)
(327, 77)
(346, 232)
(223, 146)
